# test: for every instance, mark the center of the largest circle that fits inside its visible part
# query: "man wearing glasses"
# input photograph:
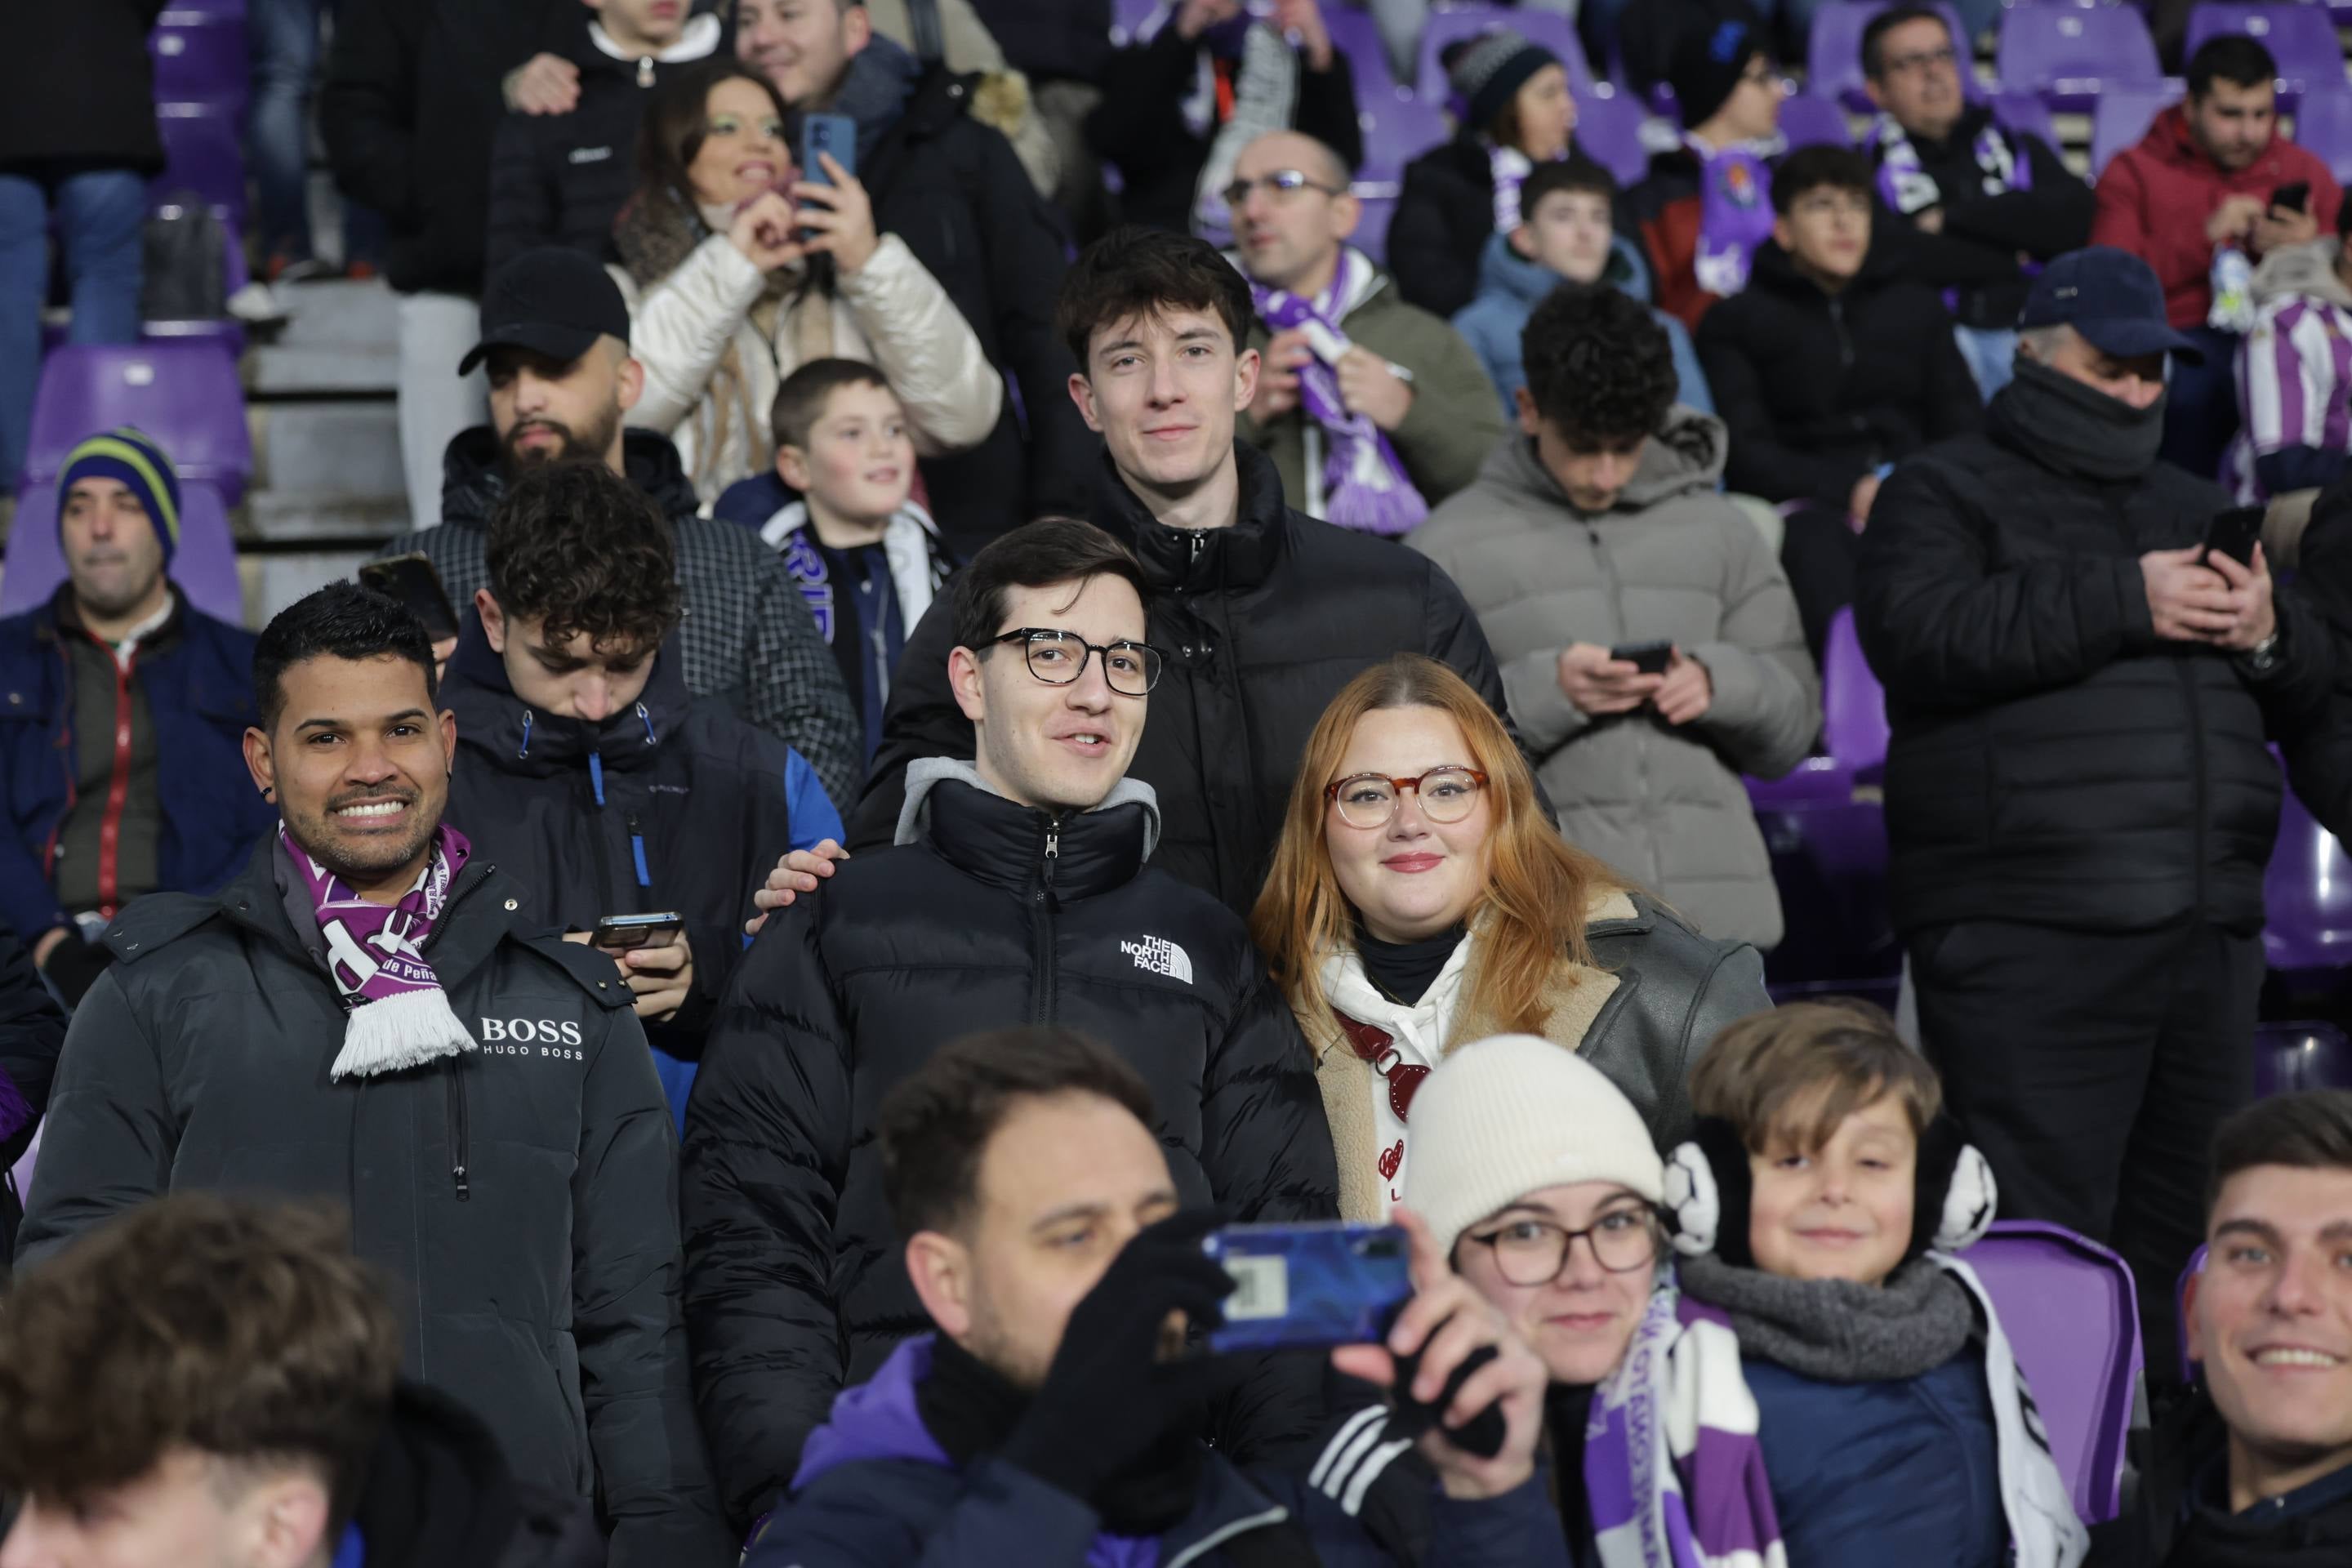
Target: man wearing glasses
(1372, 410)
(1981, 206)
(1017, 892)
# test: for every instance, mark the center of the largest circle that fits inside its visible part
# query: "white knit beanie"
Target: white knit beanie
(1504, 1116)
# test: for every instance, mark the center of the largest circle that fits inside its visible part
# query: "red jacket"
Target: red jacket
(2154, 200)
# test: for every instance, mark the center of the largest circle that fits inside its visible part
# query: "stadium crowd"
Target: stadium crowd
(1027, 649)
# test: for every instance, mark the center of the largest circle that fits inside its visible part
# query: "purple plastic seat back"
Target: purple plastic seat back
(2290, 1058)
(204, 566)
(1833, 51)
(2067, 1305)
(2300, 38)
(2022, 111)
(2073, 56)
(2122, 116)
(1397, 129)
(1127, 17)
(1371, 236)
(203, 157)
(2307, 894)
(1609, 132)
(1853, 704)
(1552, 30)
(2180, 1310)
(184, 395)
(2323, 122)
(1809, 121)
(1355, 35)
(201, 56)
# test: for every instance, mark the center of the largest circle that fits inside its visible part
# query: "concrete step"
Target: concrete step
(328, 520)
(273, 581)
(344, 449)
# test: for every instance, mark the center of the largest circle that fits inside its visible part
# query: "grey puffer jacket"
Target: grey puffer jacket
(1671, 561)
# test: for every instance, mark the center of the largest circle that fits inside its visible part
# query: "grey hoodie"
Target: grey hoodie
(926, 771)
(1671, 561)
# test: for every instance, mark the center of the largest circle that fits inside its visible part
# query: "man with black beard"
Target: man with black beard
(555, 334)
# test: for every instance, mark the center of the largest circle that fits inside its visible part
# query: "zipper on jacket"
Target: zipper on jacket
(459, 1138)
(1042, 905)
(1844, 341)
(638, 851)
(2197, 768)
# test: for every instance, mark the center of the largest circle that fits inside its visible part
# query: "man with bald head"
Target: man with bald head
(1372, 410)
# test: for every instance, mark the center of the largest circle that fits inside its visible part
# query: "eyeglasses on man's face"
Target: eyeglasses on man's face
(1281, 184)
(1059, 657)
(1530, 1251)
(1447, 795)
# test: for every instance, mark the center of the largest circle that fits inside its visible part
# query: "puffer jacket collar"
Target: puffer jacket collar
(1189, 560)
(1686, 456)
(1775, 269)
(472, 481)
(1004, 845)
(541, 746)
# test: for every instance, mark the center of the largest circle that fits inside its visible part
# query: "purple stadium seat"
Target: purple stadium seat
(204, 565)
(2180, 1310)
(1833, 54)
(2300, 38)
(2323, 122)
(2067, 1305)
(1809, 121)
(1355, 35)
(2289, 1058)
(201, 57)
(1609, 129)
(2122, 116)
(203, 157)
(2074, 58)
(1371, 236)
(1853, 704)
(2307, 892)
(2022, 111)
(1127, 17)
(185, 395)
(1552, 30)
(1397, 129)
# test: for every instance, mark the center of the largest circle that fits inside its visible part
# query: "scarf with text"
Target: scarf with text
(398, 1015)
(1909, 189)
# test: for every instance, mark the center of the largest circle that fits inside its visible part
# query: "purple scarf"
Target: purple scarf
(1735, 215)
(1364, 484)
(398, 1014)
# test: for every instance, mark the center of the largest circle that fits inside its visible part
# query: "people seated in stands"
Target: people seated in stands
(951, 188)
(1833, 365)
(2193, 199)
(562, 178)
(2256, 1468)
(1205, 80)
(1822, 1174)
(1061, 47)
(1650, 647)
(1522, 1151)
(1516, 119)
(555, 336)
(1058, 1252)
(2295, 392)
(1018, 891)
(1374, 410)
(351, 1017)
(1706, 204)
(727, 296)
(1979, 205)
(1566, 234)
(1278, 611)
(2080, 804)
(112, 680)
(1419, 899)
(865, 553)
(210, 1380)
(608, 789)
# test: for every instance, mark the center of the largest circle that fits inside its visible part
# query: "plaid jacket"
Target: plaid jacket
(748, 637)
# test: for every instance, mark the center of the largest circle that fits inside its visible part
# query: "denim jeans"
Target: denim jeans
(99, 213)
(285, 43)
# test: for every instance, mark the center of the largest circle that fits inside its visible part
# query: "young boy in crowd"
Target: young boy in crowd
(1895, 1426)
(866, 555)
(1567, 234)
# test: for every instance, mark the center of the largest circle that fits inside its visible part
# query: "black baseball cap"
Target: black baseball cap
(553, 302)
(2112, 299)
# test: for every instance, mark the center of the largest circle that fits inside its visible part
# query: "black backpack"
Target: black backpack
(186, 254)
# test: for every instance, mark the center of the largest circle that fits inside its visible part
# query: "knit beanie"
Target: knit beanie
(131, 456)
(1707, 64)
(1504, 1116)
(1487, 74)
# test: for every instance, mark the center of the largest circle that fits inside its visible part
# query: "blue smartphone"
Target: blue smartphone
(833, 133)
(1309, 1285)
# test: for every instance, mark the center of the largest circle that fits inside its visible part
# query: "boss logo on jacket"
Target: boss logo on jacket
(514, 1036)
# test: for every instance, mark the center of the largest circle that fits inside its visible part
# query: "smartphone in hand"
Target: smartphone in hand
(621, 933)
(827, 134)
(1649, 657)
(2294, 196)
(1313, 1285)
(2235, 533)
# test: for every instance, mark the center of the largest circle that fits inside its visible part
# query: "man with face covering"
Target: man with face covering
(2078, 794)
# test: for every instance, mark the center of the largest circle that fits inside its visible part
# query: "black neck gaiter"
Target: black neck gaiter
(2077, 429)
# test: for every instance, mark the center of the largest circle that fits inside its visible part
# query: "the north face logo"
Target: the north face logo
(1160, 956)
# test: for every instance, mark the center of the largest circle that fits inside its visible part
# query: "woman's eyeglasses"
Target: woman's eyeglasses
(1447, 795)
(1534, 1251)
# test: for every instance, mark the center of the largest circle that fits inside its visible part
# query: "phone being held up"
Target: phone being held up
(2235, 533)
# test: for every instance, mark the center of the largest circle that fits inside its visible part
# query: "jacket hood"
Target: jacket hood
(437, 1491)
(1685, 455)
(1503, 270)
(878, 1419)
(492, 720)
(1203, 560)
(2305, 269)
(472, 480)
(925, 773)
(874, 90)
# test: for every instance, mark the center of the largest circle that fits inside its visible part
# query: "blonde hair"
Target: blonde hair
(1792, 1073)
(1538, 886)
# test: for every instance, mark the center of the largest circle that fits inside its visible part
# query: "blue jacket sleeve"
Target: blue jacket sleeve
(813, 817)
(866, 1516)
(28, 904)
(1690, 376)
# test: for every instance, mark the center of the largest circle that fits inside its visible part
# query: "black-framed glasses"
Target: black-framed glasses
(1059, 657)
(1534, 1251)
(1281, 183)
(1902, 65)
(1446, 794)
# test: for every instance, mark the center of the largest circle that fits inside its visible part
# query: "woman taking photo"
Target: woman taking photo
(739, 268)
(1419, 898)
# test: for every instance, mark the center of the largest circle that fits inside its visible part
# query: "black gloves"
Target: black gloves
(1108, 1398)
(74, 966)
(1482, 1434)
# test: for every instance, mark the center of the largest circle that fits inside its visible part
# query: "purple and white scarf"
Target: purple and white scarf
(1734, 213)
(1508, 168)
(1672, 1470)
(1909, 189)
(398, 1015)
(1364, 483)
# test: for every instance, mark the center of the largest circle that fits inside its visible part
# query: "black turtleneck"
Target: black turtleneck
(1404, 971)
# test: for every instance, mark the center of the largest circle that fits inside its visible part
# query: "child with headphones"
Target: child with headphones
(1817, 1206)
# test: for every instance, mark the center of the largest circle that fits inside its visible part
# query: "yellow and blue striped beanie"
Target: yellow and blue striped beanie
(129, 455)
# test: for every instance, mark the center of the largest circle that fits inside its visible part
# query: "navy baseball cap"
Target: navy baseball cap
(2112, 299)
(553, 302)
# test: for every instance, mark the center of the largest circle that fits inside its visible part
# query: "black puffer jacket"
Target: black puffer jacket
(2053, 762)
(1051, 40)
(437, 1493)
(1819, 389)
(988, 914)
(1262, 622)
(524, 1194)
(32, 1031)
(76, 86)
(1444, 216)
(684, 808)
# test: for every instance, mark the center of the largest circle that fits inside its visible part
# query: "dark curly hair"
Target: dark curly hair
(341, 620)
(580, 549)
(1133, 271)
(1598, 366)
